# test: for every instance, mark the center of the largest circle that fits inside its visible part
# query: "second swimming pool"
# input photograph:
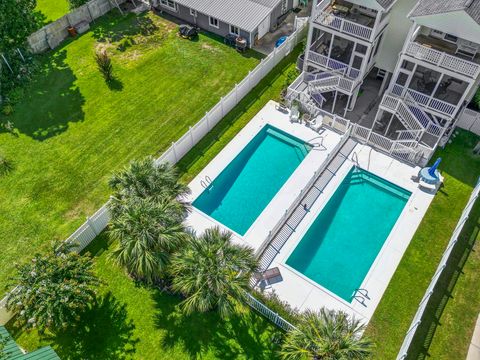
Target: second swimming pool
(342, 243)
(244, 188)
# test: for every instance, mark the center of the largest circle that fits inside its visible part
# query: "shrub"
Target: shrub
(76, 3)
(7, 110)
(290, 77)
(5, 165)
(282, 308)
(104, 64)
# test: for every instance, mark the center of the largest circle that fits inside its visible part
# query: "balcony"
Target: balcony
(443, 54)
(429, 102)
(346, 18)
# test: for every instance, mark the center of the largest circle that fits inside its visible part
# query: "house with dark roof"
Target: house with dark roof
(250, 19)
(402, 70)
(9, 350)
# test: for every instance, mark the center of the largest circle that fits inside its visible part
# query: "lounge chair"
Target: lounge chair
(268, 274)
(317, 123)
(294, 114)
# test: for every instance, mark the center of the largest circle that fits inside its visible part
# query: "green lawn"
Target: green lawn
(400, 301)
(52, 9)
(74, 130)
(136, 322)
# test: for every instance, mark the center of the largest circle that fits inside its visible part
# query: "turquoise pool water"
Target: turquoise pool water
(245, 187)
(342, 243)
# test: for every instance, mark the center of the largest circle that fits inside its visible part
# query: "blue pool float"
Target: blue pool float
(280, 41)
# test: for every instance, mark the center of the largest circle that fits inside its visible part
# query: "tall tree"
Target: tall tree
(147, 233)
(147, 212)
(212, 272)
(18, 20)
(328, 335)
(145, 179)
(54, 289)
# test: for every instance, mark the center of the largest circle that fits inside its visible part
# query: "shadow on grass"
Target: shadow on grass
(104, 332)
(443, 291)
(239, 336)
(199, 150)
(116, 28)
(115, 84)
(51, 101)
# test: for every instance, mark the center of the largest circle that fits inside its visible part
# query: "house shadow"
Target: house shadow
(105, 332)
(51, 102)
(240, 336)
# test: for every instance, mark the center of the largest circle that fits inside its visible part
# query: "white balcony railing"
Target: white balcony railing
(427, 101)
(343, 25)
(443, 60)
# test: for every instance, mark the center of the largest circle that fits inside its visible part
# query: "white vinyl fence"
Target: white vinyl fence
(96, 223)
(469, 120)
(53, 34)
(403, 353)
(269, 314)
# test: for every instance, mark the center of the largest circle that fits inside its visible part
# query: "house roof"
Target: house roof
(434, 7)
(245, 14)
(385, 3)
(13, 351)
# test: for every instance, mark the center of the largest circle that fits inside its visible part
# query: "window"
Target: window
(193, 12)
(172, 5)
(234, 30)
(213, 22)
(451, 38)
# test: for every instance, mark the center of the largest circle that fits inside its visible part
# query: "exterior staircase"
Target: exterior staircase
(411, 115)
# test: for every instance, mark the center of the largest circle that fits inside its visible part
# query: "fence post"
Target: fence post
(191, 135)
(221, 105)
(207, 118)
(236, 94)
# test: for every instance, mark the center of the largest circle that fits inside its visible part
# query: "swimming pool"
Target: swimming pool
(244, 188)
(342, 243)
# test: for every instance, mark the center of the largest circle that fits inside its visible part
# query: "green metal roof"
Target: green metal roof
(13, 351)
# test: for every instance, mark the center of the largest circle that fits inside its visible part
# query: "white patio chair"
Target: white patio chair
(294, 114)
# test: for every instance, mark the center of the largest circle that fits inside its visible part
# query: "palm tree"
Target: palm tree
(212, 272)
(147, 233)
(326, 334)
(143, 178)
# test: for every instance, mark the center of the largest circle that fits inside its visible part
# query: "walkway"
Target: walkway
(312, 193)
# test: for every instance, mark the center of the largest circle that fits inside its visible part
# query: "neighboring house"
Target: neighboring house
(250, 19)
(400, 69)
(12, 351)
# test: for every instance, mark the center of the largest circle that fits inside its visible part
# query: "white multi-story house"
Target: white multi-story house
(401, 71)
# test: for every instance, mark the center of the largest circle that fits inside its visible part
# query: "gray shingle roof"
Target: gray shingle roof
(245, 14)
(433, 7)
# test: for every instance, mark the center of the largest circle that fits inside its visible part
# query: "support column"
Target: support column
(389, 123)
(385, 82)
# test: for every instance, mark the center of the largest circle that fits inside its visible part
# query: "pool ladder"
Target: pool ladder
(361, 295)
(205, 182)
(355, 159)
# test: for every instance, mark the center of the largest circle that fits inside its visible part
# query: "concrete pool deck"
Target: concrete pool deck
(323, 144)
(303, 293)
(293, 287)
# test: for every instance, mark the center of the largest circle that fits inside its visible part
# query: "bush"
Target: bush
(282, 308)
(290, 77)
(5, 165)
(7, 110)
(76, 3)
(104, 64)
